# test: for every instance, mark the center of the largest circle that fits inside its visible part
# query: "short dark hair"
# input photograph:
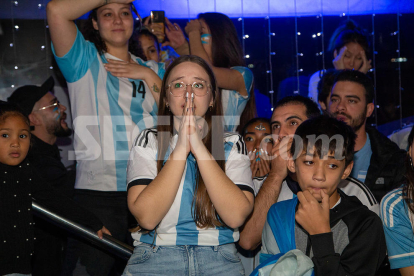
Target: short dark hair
(326, 125)
(325, 85)
(312, 109)
(252, 121)
(8, 109)
(357, 77)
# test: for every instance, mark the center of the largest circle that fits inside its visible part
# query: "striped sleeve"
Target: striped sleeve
(238, 163)
(354, 187)
(398, 230)
(142, 163)
(75, 63)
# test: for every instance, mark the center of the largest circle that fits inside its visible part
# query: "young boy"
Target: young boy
(339, 234)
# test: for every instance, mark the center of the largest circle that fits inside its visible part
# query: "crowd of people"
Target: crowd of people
(172, 158)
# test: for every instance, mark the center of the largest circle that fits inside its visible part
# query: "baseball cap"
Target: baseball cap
(26, 96)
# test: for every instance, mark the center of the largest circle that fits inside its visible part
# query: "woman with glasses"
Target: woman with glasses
(213, 37)
(189, 184)
(113, 95)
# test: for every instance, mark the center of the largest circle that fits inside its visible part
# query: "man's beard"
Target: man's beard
(57, 130)
(356, 123)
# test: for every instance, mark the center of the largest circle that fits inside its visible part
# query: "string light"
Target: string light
(247, 56)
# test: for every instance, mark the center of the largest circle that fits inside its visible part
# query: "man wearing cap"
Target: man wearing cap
(47, 120)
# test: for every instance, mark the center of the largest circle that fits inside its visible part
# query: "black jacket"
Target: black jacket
(18, 185)
(386, 170)
(366, 249)
(46, 159)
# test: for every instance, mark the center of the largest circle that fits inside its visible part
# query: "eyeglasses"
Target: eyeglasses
(199, 88)
(57, 103)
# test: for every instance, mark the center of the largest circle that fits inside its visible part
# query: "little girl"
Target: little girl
(259, 142)
(189, 185)
(18, 184)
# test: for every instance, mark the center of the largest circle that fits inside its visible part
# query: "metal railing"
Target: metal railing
(107, 243)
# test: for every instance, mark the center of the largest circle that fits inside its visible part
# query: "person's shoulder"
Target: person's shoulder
(232, 137)
(392, 202)
(353, 187)
(147, 136)
(352, 211)
(245, 71)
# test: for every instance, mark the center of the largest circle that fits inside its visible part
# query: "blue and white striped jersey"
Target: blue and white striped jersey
(108, 113)
(397, 221)
(233, 102)
(178, 226)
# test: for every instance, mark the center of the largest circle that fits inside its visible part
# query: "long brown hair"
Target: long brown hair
(204, 213)
(228, 54)
(408, 189)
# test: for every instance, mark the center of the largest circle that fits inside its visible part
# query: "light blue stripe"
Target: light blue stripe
(187, 233)
(118, 132)
(75, 63)
(226, 234)
(95, 75)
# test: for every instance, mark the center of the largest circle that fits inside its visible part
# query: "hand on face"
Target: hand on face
(193, 26)
(259, 162)
(338, 61)
(366, 64)
(312, 215)
(280, 156)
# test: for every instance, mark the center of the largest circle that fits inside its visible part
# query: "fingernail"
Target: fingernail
(266, 151)
(186, 95)
(254, 150)
(249, 152)
(258, 159)
(257, 153)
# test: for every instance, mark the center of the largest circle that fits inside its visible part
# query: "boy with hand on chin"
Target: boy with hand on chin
(337, 232)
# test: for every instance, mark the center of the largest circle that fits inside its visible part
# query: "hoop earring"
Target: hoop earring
(411, 163)
(210, 108)
(167, 105)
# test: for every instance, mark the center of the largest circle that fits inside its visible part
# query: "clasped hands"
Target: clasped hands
(191, 130)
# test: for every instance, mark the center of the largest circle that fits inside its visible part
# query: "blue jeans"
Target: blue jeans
(184, 260)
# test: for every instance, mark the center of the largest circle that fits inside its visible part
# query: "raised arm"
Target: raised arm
(226, 78)
(251, 234)
(60, 16)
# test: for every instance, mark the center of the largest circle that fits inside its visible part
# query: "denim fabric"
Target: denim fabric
(184, 260)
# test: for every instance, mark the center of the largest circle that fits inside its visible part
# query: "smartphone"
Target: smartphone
(158, 25)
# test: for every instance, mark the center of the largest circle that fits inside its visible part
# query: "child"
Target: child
(18, 185)
(149, 44)
(339, 234)
(257, 136)
(190, 193)
(397, 209)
